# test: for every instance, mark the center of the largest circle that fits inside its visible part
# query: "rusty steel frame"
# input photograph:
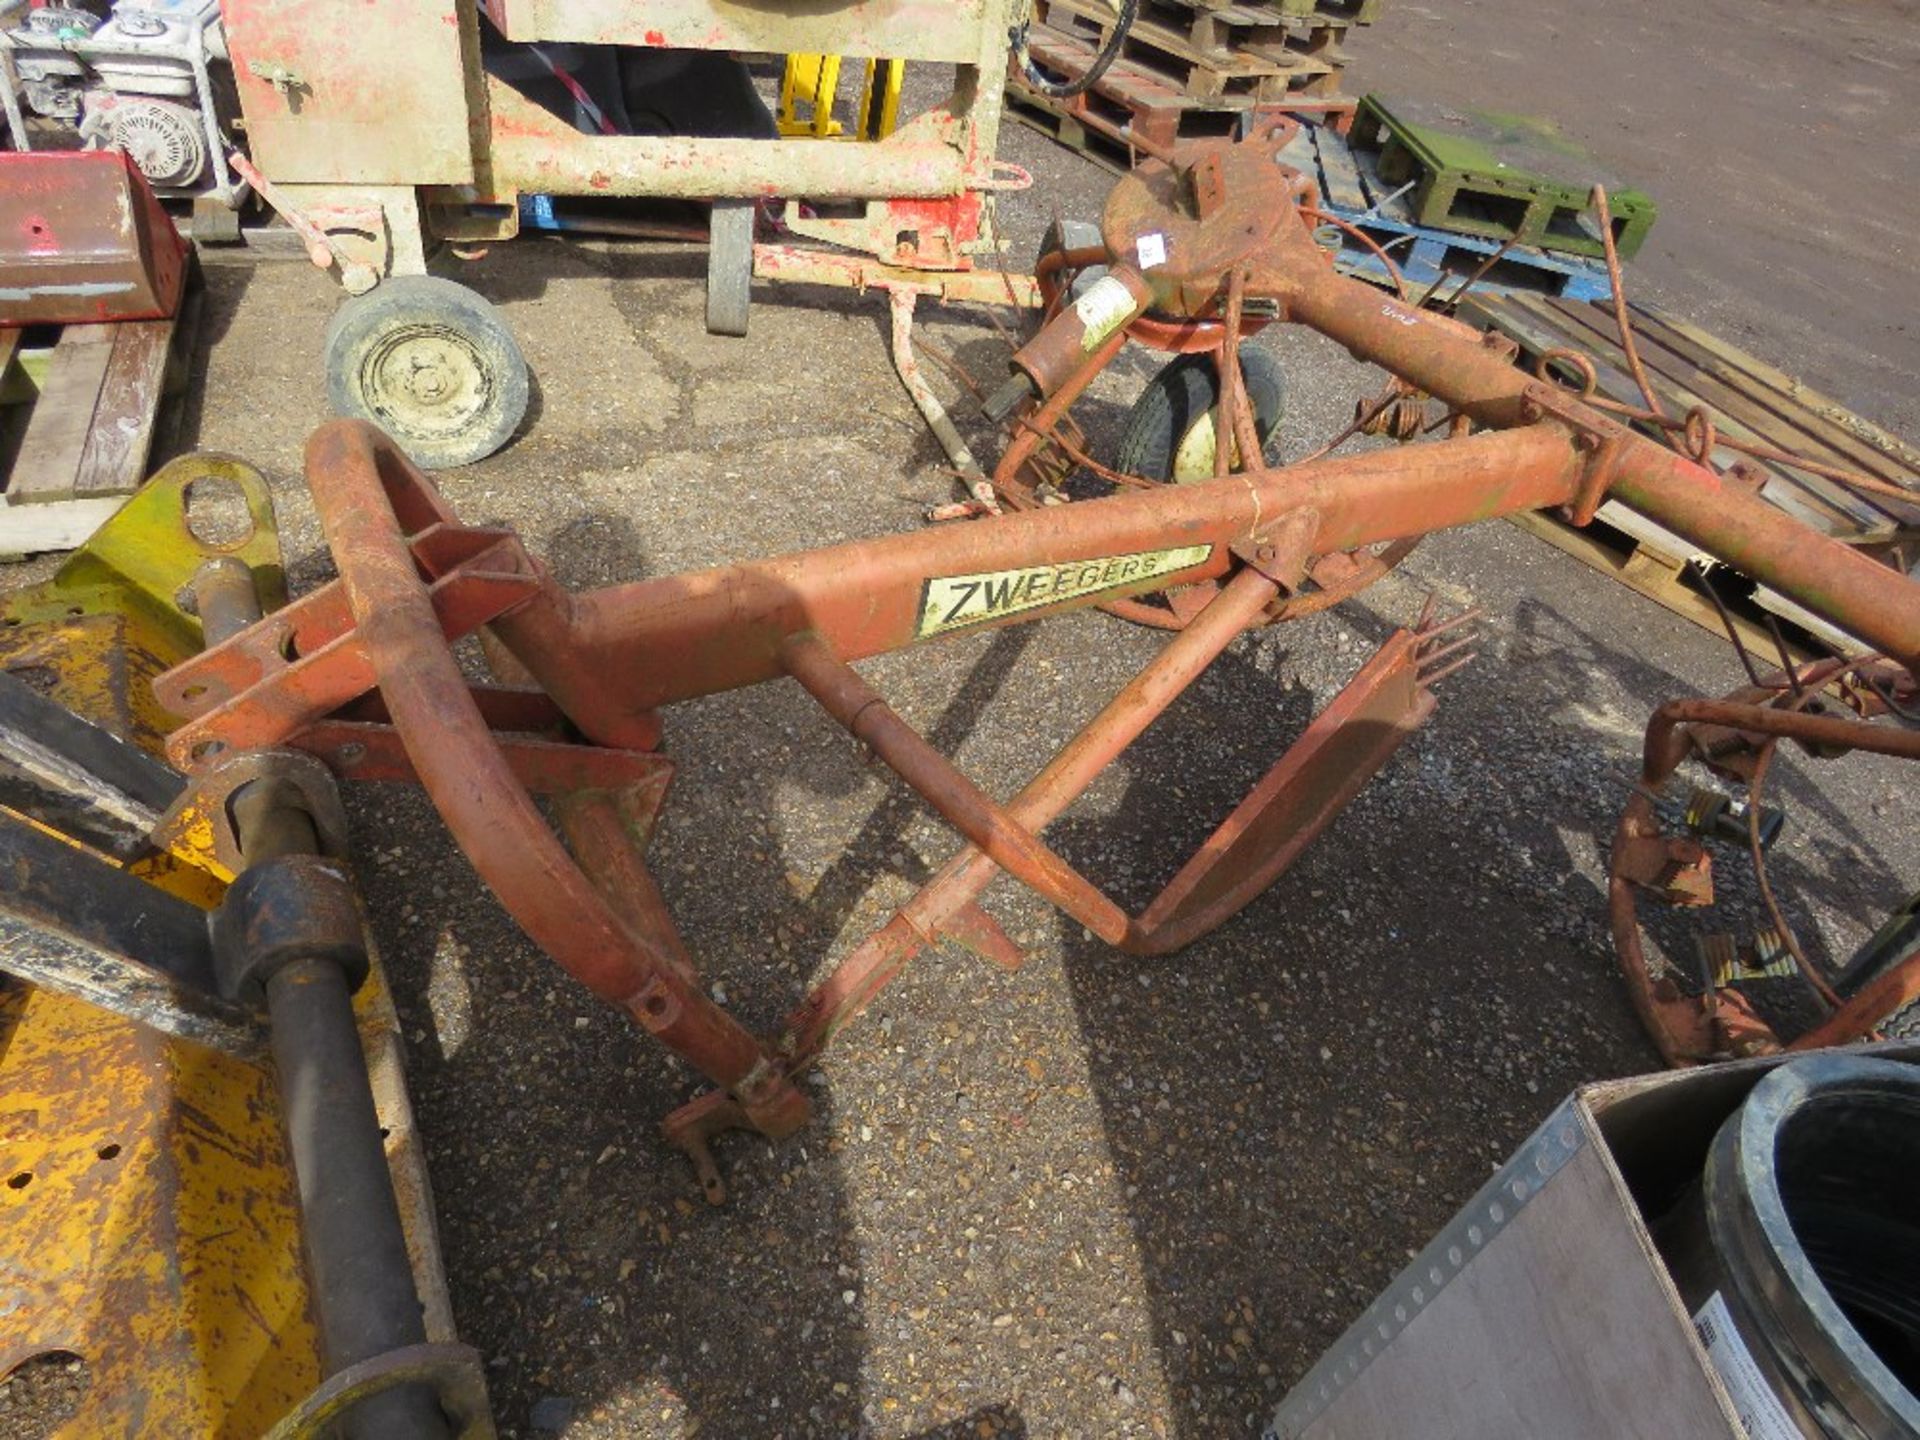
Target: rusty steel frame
(324, 109)
(1273, 541)
(1736, 737)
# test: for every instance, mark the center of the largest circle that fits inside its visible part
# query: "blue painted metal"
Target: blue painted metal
(1426, 255)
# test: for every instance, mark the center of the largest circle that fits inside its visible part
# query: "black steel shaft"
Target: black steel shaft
(365, 1300)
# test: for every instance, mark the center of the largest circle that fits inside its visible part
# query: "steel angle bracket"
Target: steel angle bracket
(75, 777)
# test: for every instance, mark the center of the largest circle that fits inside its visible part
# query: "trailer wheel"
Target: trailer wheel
(729, 267)
(430, 363)
(1169, 431)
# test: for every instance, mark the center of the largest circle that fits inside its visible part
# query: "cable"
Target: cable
(1074, 85)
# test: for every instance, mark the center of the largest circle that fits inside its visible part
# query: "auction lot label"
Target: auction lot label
(953, 602)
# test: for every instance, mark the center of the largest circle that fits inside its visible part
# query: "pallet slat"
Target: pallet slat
(1340, 176)
(62, 418)
(1814, 421)
(1543, 328)
(81, 419)
(1734, 410)
(1904, 455)
(1201, 73)
(1826, 504)
(1749, 400)
(115, 459)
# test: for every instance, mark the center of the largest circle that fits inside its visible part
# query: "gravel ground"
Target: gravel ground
(1098, 1197)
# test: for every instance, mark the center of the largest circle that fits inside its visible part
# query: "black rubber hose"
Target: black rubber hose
(1067, 89)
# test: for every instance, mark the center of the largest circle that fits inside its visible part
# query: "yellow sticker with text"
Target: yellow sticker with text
(953, 602)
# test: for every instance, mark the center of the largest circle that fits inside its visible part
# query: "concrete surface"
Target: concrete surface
(1097, 1198)
(1780, 138)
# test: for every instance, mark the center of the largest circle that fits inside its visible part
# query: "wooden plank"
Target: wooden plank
(1343, 180)
(1846, 447)
(179, 375)
(49, 460)
(115, 459)
(1728, 397)
(1858, 426)
(1540, 324)
(9, 342)
(1655, 576)
(54, 525)
(1156, 47)
(1733, 412)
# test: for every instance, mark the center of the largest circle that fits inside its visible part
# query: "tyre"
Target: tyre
(1169, 431)
(729, 267)
(430, 363)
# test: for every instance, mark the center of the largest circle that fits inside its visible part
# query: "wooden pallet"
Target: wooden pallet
(1352, 190)
(1228, 62)
(1498, 176)
(1252, 27)
(1354, 12)
(86, 412)
(1749, 400)
(1128, 103)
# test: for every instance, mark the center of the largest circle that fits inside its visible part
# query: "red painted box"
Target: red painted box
(84, 240)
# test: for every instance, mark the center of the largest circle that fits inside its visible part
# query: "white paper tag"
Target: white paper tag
(1761, 1414)
(1152, 250)
(1105, 307)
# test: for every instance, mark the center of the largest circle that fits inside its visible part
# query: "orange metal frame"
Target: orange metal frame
(361, 671)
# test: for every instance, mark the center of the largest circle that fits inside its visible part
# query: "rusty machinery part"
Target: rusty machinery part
(207, 806)
(452, 1373)
(68, 775)
(288, 938)
(361, 672)
(1736, 738)
(290, 934)
(137, 571)
(87, 240)
(269, 975)
(1401, 417)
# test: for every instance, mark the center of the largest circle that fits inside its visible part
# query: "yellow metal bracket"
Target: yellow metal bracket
(149, 1223)
(810, 89)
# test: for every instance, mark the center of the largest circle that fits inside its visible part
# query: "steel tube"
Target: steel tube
(226, 598)
(494, 820)
(1868, 600)
(683, 636)
(1665, 748)
(364, 1299)
(530, 150)
(968, 808)
(1042, 799)
(1872, 602)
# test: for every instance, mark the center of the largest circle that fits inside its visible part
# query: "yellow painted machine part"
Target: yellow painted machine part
(811, 85)
(148, 1216)
(148, 1224)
